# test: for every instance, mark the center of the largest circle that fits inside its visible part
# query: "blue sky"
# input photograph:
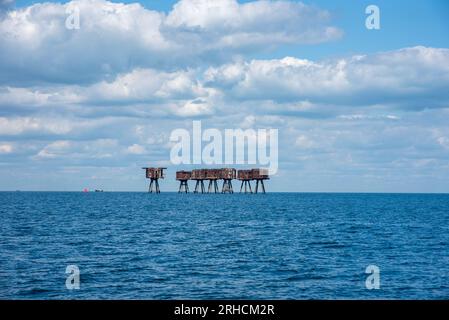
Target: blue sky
(356, 109)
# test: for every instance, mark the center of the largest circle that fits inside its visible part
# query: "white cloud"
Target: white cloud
(230, 24)
(16, 126)
(304, 142)
(444, 142)
(136, 149)
(45, 126)
(70, 150)
(36, 42)
(5, 148)
(54, 149)
(369, 117)
(193, 108)
(117, 38)
(248, 122)
(411, 76)
(42, 96)
(146, 85)
(177, 93)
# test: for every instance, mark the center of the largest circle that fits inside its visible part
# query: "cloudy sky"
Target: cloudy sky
(356, 109)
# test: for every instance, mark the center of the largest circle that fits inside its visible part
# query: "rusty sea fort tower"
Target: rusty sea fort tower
(154, 174)
(212, 177)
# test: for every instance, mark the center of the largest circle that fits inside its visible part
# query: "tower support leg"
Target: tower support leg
(209, 187)
(227, 186)
(183, 186)
(197, 186)
(202, 186)
(157, 186)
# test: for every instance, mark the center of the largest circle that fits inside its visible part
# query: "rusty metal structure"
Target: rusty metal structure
(246, 176)
(154, 174)
(183, 177)
(199, 175)
(213, 175)
(227, 174)
(260, 175)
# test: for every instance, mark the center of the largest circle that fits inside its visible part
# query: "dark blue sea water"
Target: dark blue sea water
(273, 246)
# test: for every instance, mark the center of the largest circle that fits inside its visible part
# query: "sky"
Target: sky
(357, 110)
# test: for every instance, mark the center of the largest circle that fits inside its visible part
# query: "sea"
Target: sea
(134, 245)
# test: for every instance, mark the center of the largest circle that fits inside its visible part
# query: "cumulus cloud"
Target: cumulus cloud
(411, 77)
(117, 38)
(226, 23)
(140, 93)
(37, 46)
(146, 85)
